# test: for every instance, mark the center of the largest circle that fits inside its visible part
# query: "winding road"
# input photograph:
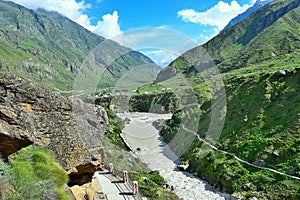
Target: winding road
(239, 159)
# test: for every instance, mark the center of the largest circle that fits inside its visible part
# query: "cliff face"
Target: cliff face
(71, 129)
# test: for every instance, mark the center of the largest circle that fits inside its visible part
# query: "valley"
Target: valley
(221, 121)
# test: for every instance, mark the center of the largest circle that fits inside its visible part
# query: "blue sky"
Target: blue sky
(161, 13)
(197, 20)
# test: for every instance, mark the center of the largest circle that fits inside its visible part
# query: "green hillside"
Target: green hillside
(266, 35)
(259, 62)
(262, 125)
(54, 51)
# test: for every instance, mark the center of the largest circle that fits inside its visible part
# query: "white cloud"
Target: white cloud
(109, 26)
(161, 57)
(219, 15)
(156, 38)
(75, 11)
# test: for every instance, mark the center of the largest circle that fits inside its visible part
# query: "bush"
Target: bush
(33, 174)
(152, 187)
(116, 127)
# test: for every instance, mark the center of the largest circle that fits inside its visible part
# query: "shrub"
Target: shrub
(35, 173)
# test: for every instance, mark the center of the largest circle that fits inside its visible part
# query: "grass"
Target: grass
(262, 122)
(34, 173)
(150, 185)
(229, 174)
(116, 127)
(150, 87)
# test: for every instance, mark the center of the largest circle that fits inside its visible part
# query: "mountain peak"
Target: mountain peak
(258, 4)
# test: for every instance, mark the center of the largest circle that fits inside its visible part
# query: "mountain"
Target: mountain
(268, 33)
(256, 133)
(266, 37)
(267, 41)
(258, 4)
(55, 52)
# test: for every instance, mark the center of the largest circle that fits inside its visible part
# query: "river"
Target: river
(140, 133)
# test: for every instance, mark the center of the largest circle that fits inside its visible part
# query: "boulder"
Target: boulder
(246, 186)
(236, 197)
(273, 131)
(71, 129)
(241, 80)
(145, 179)
(6, 189)
(91, 190)
(182, 167)
(127, 120)
(259, 162)
(281, 73)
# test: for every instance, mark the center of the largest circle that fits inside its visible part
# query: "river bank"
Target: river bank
(144, 138)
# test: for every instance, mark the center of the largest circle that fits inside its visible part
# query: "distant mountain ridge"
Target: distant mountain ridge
(258, 4)
(54, 51)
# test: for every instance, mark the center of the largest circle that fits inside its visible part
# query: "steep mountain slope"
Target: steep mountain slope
(52, 50)
(258, 4)
(259, 62)
(262, 127)
(230, 42)
(266, 41)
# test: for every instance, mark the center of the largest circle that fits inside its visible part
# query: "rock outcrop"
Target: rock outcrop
(91, 190)
(164, 102)
(71, 129)
(165, 74)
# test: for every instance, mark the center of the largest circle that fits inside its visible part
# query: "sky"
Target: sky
(196, 20)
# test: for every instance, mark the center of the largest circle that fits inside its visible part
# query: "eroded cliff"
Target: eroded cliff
(71, 129)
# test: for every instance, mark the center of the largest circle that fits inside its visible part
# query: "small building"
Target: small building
(111, 107)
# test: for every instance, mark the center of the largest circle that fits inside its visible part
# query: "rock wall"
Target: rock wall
(162, 102)
(71, 129)
(165, 102)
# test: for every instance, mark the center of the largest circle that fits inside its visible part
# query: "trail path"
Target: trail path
(114, 188)
(239, 159)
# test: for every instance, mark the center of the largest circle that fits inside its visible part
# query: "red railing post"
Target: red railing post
(135, 187)
(111, 168)
(125, 176)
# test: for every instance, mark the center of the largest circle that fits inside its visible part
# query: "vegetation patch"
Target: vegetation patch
(116, 127)
(151, 186)
(34, 174)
